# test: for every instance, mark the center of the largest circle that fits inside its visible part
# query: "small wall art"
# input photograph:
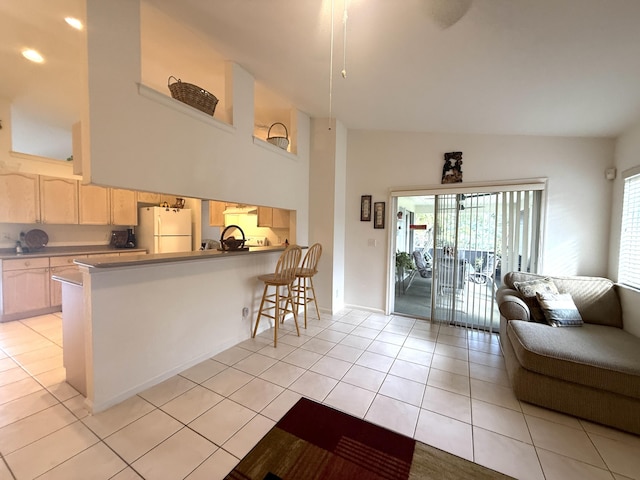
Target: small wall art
(452, 169)
(365, 208)
(378, 215)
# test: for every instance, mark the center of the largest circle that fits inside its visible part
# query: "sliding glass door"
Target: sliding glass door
(451, 248)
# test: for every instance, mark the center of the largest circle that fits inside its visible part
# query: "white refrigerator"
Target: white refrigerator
(164, 230)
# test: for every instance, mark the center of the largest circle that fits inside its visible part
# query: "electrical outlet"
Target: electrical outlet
(245, 312)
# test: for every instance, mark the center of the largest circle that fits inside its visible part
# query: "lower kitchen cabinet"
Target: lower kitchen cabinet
(25, 286)
(61, 266)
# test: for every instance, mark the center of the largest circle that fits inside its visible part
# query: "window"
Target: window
(629, 259)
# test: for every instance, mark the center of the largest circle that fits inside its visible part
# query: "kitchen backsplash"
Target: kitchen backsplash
(59, 235)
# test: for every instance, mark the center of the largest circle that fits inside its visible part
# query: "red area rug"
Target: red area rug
(313, 441)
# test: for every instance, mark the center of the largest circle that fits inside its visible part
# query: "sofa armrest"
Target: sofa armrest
(511, 305)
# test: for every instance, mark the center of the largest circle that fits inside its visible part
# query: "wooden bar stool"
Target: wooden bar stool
(284, 276)
(303, 289)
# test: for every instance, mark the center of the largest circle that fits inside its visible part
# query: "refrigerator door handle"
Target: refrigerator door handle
(159, 225)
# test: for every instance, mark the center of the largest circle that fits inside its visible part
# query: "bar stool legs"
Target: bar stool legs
(304, 289)
(284, 277)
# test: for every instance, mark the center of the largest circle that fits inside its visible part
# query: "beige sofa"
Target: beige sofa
(590, 371)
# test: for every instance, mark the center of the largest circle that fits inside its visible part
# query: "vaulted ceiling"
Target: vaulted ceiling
(531, 67)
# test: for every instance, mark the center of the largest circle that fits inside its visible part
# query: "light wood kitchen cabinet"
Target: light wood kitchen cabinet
(61, 266)
(20, 194)
(150, 198)
(58, 200)
(156, 198)
(265, 216)
(94, 205)
(25, 286)
(280, 218)
(273, 217)
(124, 207)
(216, 213)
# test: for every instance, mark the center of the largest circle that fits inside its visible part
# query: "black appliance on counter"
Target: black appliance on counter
(123, 238)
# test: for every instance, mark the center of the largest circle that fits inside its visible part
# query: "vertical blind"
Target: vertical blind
(629, 256)
(474, 232)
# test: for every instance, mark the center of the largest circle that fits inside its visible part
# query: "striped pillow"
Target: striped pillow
(559, 310)
(528, 291)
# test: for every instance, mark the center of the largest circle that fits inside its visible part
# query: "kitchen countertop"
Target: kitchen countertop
(10, 253)
(70, 278)
(157, 258)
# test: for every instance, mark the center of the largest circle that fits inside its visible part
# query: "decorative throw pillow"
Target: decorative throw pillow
(559, 310)
(529, 289)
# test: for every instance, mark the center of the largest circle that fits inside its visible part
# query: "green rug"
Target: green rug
(314, 442)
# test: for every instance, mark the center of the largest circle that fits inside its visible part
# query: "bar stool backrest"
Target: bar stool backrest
(288, 264)
(311, 259)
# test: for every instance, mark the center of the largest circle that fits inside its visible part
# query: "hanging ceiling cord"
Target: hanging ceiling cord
(345, 17)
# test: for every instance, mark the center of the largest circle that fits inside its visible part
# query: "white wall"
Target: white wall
(139, 143)
(327, 199)
(578, 202)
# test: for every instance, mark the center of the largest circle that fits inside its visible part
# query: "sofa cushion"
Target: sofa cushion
(529, 290)
(595, 297)
(559, 310)
(595, 355)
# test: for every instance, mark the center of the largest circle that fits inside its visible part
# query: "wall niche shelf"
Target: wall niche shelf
(272, 148)
(178, 106)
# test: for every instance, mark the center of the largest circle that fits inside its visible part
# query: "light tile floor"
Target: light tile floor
(445, 386)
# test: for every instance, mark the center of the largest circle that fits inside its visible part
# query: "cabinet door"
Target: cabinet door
(149, 197)
(94, 205)
(60, 266)
(216, 213)
(20, 198)
(25, 290)
(265, 216)
(58, 200)
(124, 207)
(280, 218)
(56, 287)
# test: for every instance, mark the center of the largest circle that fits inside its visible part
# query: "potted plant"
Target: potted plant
(404, 261)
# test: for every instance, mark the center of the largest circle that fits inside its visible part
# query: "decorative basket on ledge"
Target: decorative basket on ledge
(282, 142)
(193, 95)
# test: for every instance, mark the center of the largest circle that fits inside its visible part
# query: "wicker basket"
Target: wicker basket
(282, 142)
(193, 95)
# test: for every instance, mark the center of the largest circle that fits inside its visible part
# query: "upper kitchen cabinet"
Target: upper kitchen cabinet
(150, 198)
(20, 198)
(94, 205)
(273, 217)
(58, 200)
(124, 207)
(280, 218)
(274, 117)
(216, 213)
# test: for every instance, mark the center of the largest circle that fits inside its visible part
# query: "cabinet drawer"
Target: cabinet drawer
(62, 261)
(25, 263)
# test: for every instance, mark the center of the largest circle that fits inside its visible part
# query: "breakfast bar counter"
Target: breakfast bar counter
(157, 258)
(147, 318)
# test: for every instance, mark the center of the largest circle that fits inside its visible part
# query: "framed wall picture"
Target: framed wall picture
(378, 215)
(365, 208)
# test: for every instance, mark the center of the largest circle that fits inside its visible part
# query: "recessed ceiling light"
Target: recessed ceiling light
(74, 22)
(32, 55)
